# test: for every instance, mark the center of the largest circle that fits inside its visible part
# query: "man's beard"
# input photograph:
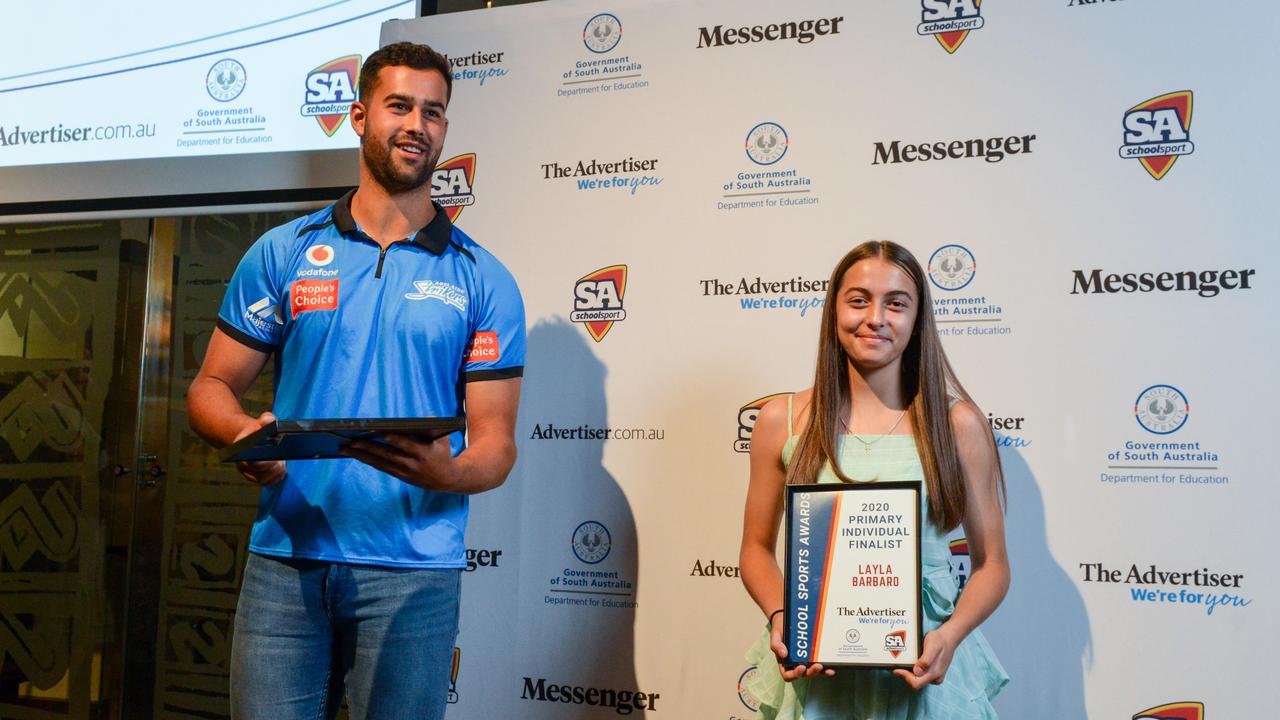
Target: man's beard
(395, 180)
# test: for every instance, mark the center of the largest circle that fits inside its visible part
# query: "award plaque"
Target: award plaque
(853, 575)
(319, 439)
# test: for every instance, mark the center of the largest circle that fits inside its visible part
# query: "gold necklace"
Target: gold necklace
(866, 446)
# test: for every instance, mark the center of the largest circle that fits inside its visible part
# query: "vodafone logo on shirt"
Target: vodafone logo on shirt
(484, 347)
(307, 295)
(320, 255)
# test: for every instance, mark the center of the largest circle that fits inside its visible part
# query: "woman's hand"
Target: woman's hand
(779, 649)
(934, 660)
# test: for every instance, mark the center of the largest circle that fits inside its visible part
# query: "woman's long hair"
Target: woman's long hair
(928, 385)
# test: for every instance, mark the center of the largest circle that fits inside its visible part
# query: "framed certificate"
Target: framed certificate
(324, 438)
(853, 575)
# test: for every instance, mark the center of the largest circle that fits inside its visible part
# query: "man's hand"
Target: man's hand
(426, 464)
(261, 472)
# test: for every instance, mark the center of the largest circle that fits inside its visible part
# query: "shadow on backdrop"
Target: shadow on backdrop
(1041, 630)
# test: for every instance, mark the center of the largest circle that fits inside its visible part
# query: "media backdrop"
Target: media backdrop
(671, 182)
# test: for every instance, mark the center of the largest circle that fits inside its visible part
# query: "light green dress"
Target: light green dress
(975, 675)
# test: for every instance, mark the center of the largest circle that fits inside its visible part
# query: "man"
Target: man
(374, 307)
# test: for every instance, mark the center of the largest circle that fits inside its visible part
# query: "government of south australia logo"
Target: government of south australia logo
(451, 184)
(591, 542)
(747, 697)
(225, 80)
(1173, 711)
(1158, 131)
(597, 300)
(331, 88)
(952, 267)
(766, 143)
(747, 416)
(1161, 409)
(949, 21)
(602, 33)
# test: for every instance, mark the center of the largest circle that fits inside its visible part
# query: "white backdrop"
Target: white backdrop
(608, 560)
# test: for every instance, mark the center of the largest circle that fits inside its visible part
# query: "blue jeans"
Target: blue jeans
(307, 630)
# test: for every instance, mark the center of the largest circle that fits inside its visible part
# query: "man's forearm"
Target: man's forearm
(484, 465)
(214, 411)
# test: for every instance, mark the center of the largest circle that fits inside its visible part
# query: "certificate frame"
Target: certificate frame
(869, 634)
(324, 438)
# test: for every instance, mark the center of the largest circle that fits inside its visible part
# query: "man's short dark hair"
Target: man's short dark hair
(406, 54)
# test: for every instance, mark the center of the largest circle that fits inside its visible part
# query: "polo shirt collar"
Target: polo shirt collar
(434, 238)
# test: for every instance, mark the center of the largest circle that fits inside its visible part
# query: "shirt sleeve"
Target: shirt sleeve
(252, 310)
(497, 345)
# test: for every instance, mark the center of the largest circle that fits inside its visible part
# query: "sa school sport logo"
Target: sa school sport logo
(959, 561)
(896, 642)
(1173, 711)
(1161, 409)
(950, 21)
(330, 90)
(451, 184)
(1158, 131)
(597, 300)
(747, 416)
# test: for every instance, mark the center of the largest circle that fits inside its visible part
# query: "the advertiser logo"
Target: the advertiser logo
(797, 294)
(1186, 710)
(747, 416)
(602, 33)
(263, 313)
(444, 292)
(452, 182)
(950, 21)
(766, 143)
(484, 347)
(1172, 458)
(959, 561)
(330, 90)
(308, 295)
(453, 676)
(747, 697)
(225, 80)
(622, 702)
(1161, 409)
(601, 71)
(478, 67)
(591, 584)
(803, 32)
(896, 642)
(320, 255)
(1151, 584)
(713, 569)
(1009, 431)
(1158, 131)
(764, 183)
(1205, 283)
(962, 307)
(628, 175)
(597, 300)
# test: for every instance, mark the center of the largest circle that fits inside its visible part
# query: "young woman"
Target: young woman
(885, 405)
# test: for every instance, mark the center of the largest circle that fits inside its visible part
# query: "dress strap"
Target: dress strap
(790, 397)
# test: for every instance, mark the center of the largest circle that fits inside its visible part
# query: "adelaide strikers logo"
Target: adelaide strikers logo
(331, 88)
(747, 697)
(602, 33)
(451, 184)
(766, 143)
(591, 542)
(1173, 711)
(896, 642)
(950, 21)
(597, 300)
(320, 255)
(959, 562)
(747, 416)
(1158, 131)
(952, 267)
(225, 80)
(1161, 409)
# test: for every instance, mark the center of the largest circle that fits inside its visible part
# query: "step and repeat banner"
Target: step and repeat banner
(672, 182)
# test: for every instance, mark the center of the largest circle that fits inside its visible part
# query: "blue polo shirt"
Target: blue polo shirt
(362, 332)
